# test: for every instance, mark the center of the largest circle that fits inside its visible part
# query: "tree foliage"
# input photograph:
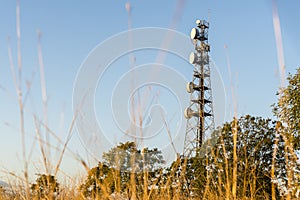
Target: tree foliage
(119, 165)
(99, 178)
(199, 177)
(126, 157)
(288, 109)
(255, 144)
(45, 187)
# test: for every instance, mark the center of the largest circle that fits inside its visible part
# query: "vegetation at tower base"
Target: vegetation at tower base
(255, 140)
(288, 109)
(45, 187)
(213, 172)
(200, 177)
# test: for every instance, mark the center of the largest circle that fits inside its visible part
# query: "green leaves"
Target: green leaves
(46, 187)
(255, 144)
(126, 157)
(122, 164)
(288, 109)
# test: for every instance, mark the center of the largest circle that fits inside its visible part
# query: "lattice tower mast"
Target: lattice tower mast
(199, 114)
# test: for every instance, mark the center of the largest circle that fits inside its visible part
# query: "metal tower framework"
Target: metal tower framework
(199, 114)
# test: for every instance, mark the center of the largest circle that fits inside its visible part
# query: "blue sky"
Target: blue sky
(70, 30)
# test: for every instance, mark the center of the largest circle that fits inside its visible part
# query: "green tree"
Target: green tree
(120, 157)
(288, 109)
(45, 187)
(120, 164)
(98, 182)
(255, 140)
(255, 144)
(186, 177)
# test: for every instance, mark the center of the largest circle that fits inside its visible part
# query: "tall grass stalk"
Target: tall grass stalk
(273, 178)
(17, 79)
(235, 159)
(46, 153)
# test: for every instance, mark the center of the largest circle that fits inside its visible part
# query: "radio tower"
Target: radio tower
(199, 114)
